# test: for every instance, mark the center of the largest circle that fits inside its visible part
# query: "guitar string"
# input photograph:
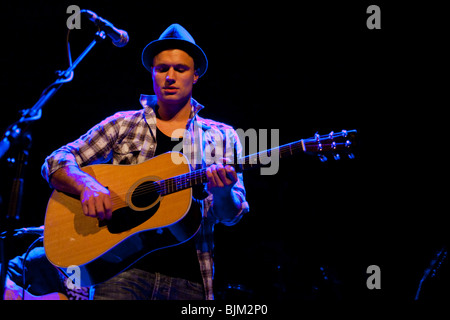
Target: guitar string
(181, 182)
(168, 184)
(184, 181)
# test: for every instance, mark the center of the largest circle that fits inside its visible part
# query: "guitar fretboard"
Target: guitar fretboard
(252, 161)
(260, 159)
(182, 182)
(332, 142)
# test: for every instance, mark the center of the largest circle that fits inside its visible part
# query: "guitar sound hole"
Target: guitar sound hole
(145, 194)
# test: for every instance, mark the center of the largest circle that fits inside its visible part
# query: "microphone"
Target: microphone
(119, 37)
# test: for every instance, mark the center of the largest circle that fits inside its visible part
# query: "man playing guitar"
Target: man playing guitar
(184, 271)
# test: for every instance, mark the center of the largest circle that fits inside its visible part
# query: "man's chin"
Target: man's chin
(173, 98)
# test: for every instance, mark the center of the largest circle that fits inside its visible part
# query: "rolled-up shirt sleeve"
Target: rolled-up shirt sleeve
(93, 147)
(57, 160)
(238, 189)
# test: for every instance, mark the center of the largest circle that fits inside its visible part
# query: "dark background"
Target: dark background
(314, 227)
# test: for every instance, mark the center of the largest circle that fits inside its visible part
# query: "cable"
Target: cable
(31, 247)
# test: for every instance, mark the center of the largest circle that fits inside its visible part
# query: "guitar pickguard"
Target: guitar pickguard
(124, 219)
(142, 203)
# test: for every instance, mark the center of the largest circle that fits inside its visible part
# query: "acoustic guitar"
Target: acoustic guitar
(151, 201)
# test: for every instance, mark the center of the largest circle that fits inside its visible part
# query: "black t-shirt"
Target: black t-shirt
(180, 261)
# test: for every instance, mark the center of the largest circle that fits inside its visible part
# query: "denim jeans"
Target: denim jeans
(136, 284)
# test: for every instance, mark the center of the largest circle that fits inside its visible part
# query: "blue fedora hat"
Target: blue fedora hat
(175, 37)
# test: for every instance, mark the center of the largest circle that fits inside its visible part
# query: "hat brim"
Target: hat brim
(155, 47)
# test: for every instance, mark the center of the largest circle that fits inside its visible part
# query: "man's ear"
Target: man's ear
(195, 77)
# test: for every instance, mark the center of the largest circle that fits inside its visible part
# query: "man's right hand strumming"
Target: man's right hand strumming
(95, 198)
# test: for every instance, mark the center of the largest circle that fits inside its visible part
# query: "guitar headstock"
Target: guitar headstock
(332, 143)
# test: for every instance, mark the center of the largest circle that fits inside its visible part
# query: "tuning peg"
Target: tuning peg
(336, 156)
(317, 136)
(322, 158)
(351, 156)
(348, 143)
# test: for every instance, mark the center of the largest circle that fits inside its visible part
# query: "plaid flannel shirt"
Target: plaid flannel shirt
(130, 138)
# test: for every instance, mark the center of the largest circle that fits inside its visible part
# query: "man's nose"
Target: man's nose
(170, 76)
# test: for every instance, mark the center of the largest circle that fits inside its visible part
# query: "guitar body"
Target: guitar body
(139, 225)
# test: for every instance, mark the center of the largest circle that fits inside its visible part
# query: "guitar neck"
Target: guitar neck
(333, 142)
(260, 159)
(252, 161)
(182, 182)
(319, 145)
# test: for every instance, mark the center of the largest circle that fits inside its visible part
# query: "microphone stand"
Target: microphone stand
(18, 133)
